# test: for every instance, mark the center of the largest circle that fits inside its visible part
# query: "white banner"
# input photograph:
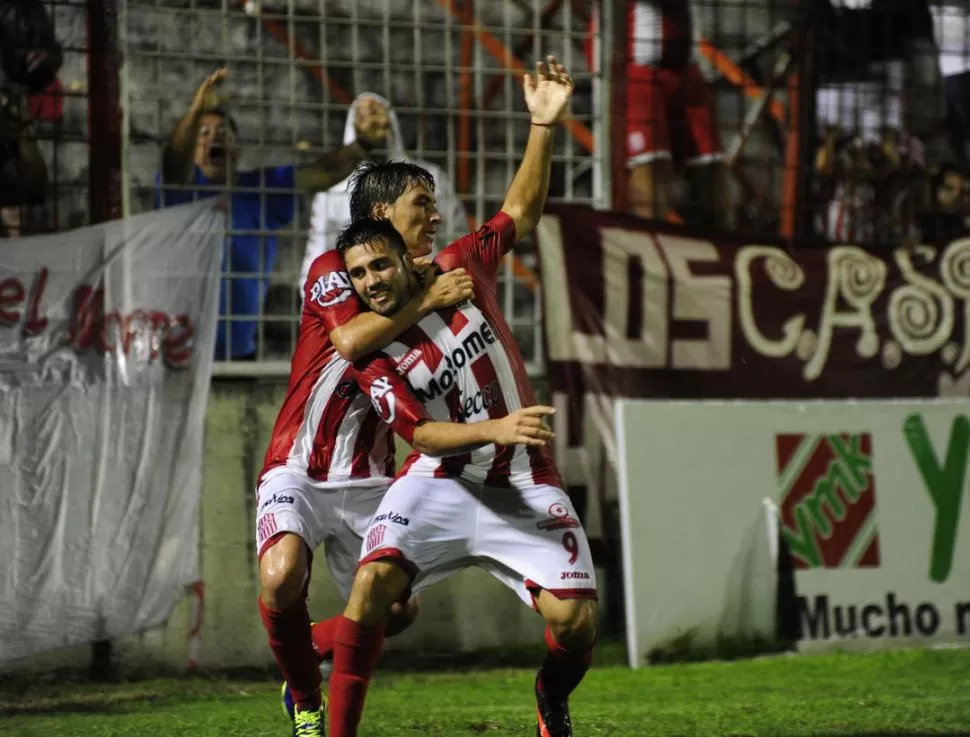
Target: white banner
(106, 342)
(869, 497)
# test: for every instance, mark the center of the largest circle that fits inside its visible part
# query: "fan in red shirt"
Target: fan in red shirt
(670, 112)
(481, 487)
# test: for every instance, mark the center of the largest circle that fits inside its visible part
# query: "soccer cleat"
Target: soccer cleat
(311, 723)
(552, 715)
(289, 708)
(289, 705)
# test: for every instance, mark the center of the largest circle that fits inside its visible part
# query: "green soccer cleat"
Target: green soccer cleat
(303, 720)
(312, 723)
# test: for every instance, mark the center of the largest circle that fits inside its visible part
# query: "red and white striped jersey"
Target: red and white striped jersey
(461, 365)
(660, 34)
(327, 427)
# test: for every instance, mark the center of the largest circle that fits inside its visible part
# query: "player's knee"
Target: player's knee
(282, 572)
(574, 623)
(377, 586)
(402, 616)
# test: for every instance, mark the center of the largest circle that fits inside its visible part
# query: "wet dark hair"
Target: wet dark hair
(382, 183)
(367, 230)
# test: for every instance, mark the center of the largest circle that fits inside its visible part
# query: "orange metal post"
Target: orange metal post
(790, 184)
(582, 134)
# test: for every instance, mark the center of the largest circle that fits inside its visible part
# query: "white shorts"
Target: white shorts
(528, 539)
(335, 516)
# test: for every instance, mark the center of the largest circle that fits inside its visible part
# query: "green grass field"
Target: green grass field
(904, 693)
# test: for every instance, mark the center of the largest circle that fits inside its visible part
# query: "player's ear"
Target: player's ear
(408, 260)
(379, 211)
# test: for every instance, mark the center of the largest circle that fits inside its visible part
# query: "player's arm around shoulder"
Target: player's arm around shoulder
(547, 95)
(356, 332)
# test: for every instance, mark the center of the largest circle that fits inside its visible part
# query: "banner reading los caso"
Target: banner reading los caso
(631, 310)
(106, 345)
(871, 506)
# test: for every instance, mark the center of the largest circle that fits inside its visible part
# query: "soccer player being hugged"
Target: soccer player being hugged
(480, 487)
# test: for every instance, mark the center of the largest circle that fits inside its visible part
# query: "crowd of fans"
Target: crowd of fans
(891, 167)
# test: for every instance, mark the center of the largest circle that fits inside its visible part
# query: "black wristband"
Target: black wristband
(543, 125)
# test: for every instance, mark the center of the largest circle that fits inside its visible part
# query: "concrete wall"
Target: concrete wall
(467, 612)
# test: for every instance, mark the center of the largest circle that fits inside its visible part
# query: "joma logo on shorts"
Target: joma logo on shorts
(392, 517)
(567, 575)
(470, 349)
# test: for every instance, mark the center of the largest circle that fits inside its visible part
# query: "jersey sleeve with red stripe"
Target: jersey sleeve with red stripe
(481, 252)
(328, 292)
(390, 394)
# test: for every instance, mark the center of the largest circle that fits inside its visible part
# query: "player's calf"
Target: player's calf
(570, 635)
(359, 638)
(283, 569)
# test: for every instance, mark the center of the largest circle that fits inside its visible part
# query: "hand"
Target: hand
(206, 97)
(547, 94)
(371, 122)
(525, 426)
(447, 290)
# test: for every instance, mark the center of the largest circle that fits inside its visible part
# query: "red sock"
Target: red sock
(289, 639)
(562, 670)
(323, 634)
(356, 650)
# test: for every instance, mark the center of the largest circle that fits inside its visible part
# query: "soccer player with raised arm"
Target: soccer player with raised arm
(329, 459)
(481, 487)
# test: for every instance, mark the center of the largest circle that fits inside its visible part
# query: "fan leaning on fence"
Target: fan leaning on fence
(201, 158)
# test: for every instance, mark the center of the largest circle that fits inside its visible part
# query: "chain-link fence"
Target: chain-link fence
(829, 120)
(449, 72)
(44, 85)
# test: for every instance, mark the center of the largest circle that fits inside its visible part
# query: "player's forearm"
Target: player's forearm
(451, 438)
(330, 168)
(527, 194)
(178, 157)
(369, 332)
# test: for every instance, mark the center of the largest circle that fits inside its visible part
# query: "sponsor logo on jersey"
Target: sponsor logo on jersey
(474, 345)
(408, 361)
(574, 575)
(331, 289)
(393, 517)
(383, 399)
(559, 518)
(481, 401)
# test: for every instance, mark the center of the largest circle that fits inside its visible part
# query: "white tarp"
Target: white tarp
(106, 341)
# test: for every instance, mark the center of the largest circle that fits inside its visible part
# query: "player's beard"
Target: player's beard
(392, 297)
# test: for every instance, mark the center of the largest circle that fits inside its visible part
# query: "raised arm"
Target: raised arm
(179, 155)
(335, 166)
(547, 96)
